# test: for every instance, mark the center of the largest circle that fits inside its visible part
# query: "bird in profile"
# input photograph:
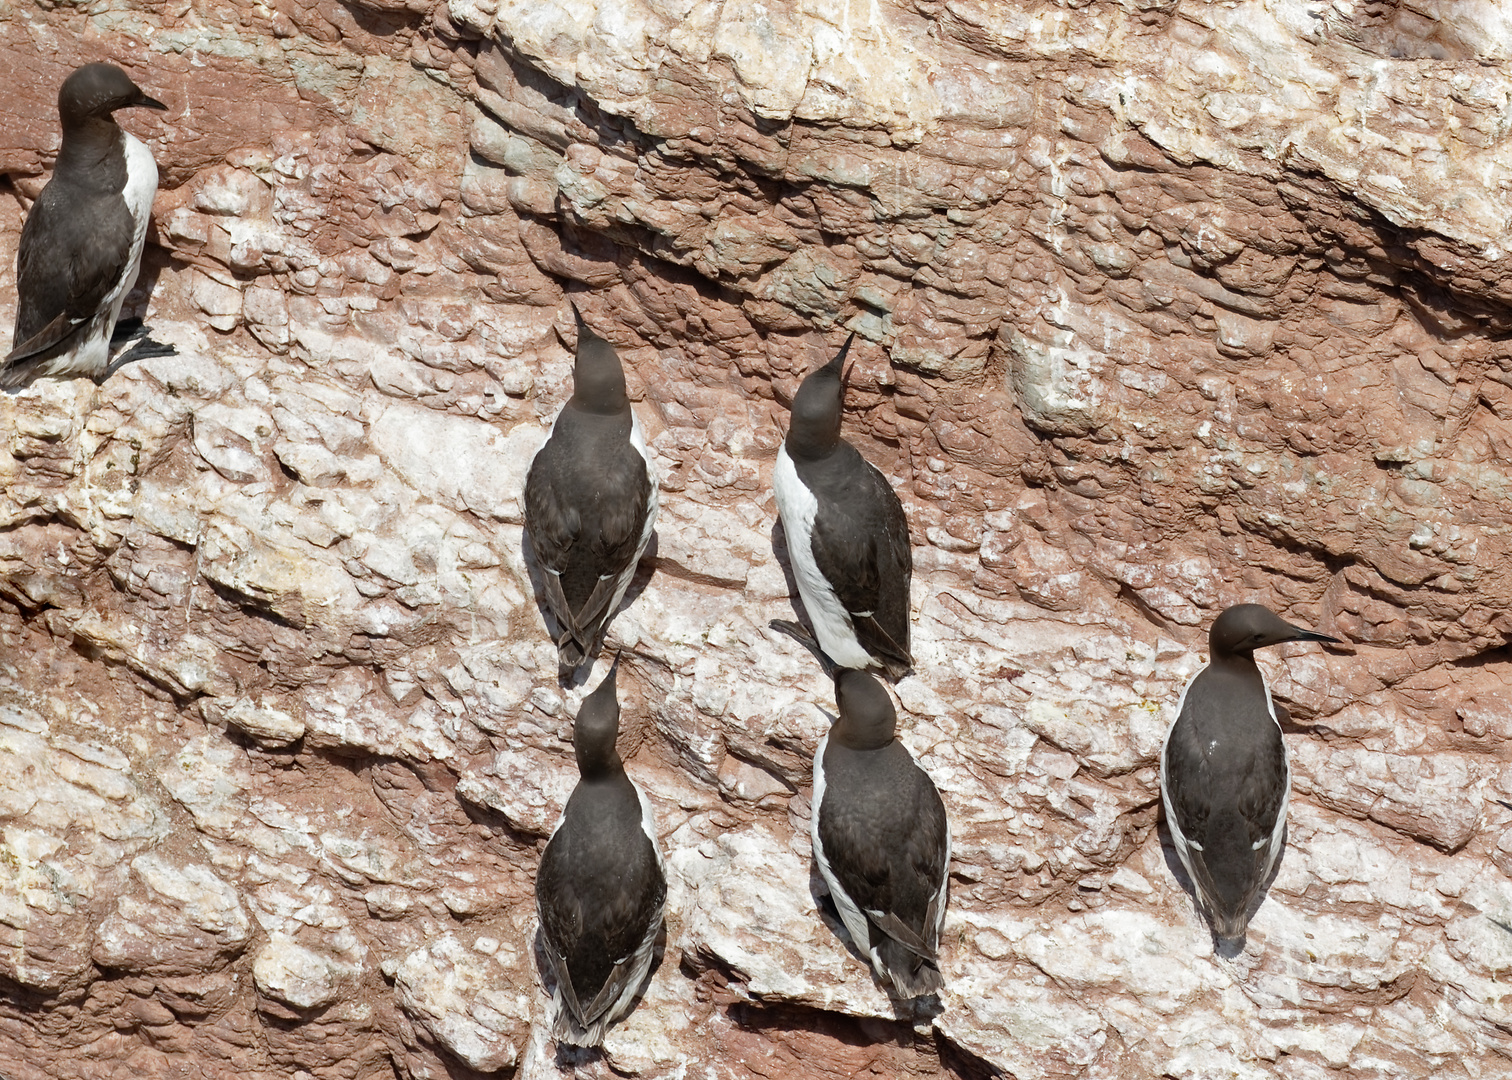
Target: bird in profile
(601, 887)
(81, 246)
(847, 536)
(881, 839)
(1224, 776)
(590, 502)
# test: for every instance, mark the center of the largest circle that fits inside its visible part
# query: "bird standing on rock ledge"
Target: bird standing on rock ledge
(1224, 777)
(601, 886)
(847, 535)
(590, 502)
(81, 246)
(881, 838)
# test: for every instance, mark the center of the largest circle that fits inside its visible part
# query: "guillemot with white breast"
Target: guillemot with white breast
(847, 535)
(81, 246)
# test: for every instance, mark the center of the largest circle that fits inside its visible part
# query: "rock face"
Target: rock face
(1161, 307)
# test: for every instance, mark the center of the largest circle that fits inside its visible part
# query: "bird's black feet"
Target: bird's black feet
(143, 348)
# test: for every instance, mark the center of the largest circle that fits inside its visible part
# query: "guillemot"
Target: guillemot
(590, 502)
(81, 246)
(881, 839)
(1224, 776)
(847, 536)
(601, 886)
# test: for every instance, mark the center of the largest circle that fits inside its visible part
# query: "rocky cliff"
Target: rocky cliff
(1162, 306)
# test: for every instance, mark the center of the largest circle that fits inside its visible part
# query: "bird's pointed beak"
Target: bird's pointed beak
(837, 363)
(1312, 635)
(150, 103)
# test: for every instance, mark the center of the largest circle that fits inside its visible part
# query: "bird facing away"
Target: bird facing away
(847, 536)
(81, 245)
(1224, 777)
(601, 886)
(590, 502)
(881, 838)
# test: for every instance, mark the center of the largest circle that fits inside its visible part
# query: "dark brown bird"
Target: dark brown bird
(81, 246)
(590, 502)
(881, 838)
(601, 886)
(1224, 777)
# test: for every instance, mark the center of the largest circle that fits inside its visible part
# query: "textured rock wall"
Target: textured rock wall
(1164, 306)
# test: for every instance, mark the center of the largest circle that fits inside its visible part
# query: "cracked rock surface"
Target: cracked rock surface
(1161, 307)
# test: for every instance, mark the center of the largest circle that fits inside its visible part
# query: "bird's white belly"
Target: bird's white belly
(91, 352)
(832, 625)
(851, 916)
(141, 189)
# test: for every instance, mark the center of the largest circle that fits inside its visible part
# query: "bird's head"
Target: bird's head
(596, 728)
(94, 91)
(598, 380)
(815, 426)
(868, 720)
(1246, 627)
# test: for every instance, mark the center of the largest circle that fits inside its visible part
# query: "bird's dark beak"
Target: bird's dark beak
(150, 103)
(837, 363)
(1312, 635)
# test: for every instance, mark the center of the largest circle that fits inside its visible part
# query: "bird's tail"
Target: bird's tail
(566, 1029)
(570, 657)
(911, 975)
(1228, 874)
(14, 376)
(1229, 926)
